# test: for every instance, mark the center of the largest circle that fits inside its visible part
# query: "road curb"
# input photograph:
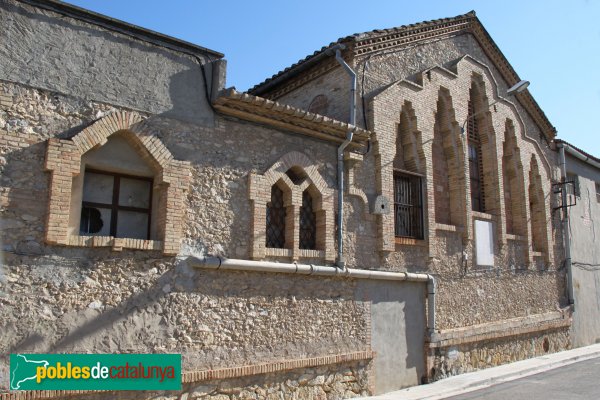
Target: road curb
(465, 383)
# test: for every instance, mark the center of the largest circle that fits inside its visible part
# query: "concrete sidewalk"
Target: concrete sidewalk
(465, 383)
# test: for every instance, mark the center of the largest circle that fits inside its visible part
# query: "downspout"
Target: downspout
(431, 287)
(566, 225)
(218, 263)
(341, 263)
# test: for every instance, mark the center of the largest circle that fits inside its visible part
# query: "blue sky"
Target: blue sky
(555, 44)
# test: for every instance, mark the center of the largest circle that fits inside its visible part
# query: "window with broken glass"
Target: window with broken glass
(116, 205)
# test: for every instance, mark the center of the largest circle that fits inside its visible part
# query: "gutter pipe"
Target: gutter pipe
(577, 154)
(341, 263)
(565, 219)
(218, 263)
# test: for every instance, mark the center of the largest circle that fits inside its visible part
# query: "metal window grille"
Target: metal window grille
(275, 232)
(121, 207)
(408, 206)
(475, 162)
(308, 223)
(573, 185)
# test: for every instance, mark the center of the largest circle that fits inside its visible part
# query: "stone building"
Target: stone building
(434, 95)
(144, 206)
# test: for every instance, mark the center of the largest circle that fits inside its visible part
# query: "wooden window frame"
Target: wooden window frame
(114, 205)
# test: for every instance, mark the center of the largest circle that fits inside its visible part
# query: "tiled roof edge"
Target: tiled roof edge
(583, 152)
(233, 95)
(309, 60)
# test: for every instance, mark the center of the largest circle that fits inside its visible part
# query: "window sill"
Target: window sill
(515, 238)
(117, 244)
(481, 215)
(275, 252)
(312, 254)
(447, 228)
(301, 253)
(404, 241)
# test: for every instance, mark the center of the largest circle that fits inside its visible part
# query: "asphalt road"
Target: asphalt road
(577, 381)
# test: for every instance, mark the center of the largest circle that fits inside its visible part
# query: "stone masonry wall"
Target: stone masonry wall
(343, 381)
(96, 300)
(470, 357)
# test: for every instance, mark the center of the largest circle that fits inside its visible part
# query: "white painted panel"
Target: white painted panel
(484, 243)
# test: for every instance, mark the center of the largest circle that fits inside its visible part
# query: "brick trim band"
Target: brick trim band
(500, 330)
(223, 373)
(284, 365)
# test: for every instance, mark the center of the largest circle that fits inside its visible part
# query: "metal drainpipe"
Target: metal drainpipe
(566, 232)
(218, 263)
(431, 287)
(341, 263)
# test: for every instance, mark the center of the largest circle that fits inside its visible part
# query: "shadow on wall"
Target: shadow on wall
(92, 63)
(150, 317)
(189, 98)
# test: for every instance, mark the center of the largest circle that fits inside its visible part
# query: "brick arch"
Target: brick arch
(423, 91)
(478, 96)
(63, 161)
(409, 148)
(322, 195)
(447, 163)
(296, 159)
(132, 126)
(537, 211)
(513, 183)
(480, 131)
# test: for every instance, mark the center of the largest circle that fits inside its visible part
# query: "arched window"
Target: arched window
(308, 223)
(294, 219)
(475, 156)
(408, 198)
(447, 171)
(514, 188)
(116, 185)
(275, 221)
(482, 152)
